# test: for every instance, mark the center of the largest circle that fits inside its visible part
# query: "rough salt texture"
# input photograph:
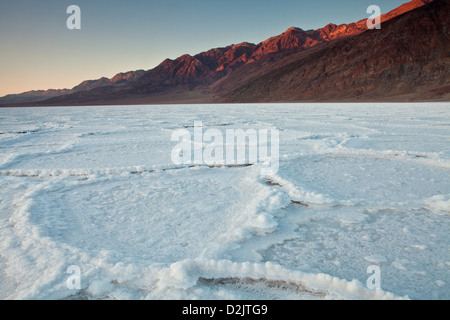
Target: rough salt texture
(95, 187)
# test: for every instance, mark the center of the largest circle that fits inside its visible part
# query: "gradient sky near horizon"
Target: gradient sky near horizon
(37, 51)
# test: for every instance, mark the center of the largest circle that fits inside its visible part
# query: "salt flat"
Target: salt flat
(96, 187)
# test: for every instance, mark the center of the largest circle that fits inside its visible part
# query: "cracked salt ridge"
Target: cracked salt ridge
(209, 125)
(430, 159)
(21, 132)
(324, 144)
(259, 278)
(225, 279)
(276, 184)
(426, 159)
(251, 284)
(110, 171)
(300, 196)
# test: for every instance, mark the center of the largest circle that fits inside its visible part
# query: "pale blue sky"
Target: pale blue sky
(39, 52)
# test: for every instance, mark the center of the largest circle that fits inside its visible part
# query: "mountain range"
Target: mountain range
(408, 59)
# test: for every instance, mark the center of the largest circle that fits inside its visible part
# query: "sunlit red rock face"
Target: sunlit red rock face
(234, 56)
(404, 8)
(190, 71)
(408, 59)
(229, 58)
(333, 32)
(207, 67)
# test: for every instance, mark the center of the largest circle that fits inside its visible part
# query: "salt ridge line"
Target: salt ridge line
(185, 274)
(74, 140)
(329, 145)
(429, 159)
(334, 143)
(299, 195)
(32, 173)
(422, 158)
(438, 204)
(15, 157)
